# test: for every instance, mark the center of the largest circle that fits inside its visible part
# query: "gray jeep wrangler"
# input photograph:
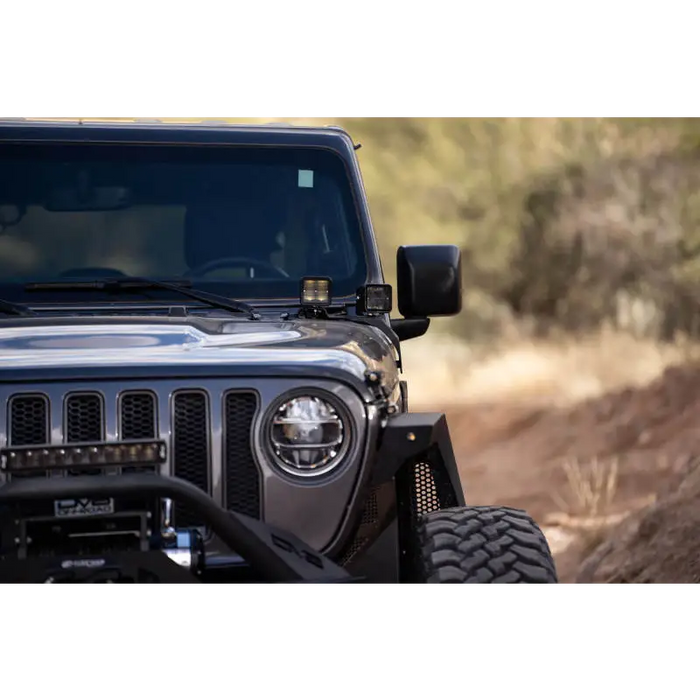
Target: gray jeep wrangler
(200, 380)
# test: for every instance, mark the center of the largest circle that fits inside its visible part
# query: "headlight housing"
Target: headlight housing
(309, 435)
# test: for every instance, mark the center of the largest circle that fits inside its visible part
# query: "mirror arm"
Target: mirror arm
(409, 328)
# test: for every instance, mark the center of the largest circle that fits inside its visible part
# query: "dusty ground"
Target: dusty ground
(640, 442)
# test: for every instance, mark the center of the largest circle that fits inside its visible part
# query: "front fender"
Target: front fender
(414, 439)
(414, 472)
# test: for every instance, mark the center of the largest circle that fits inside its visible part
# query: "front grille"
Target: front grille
(86, 415)
(242, 492)
(190, 447)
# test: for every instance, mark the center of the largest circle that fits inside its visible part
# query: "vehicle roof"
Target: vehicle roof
(206, 131)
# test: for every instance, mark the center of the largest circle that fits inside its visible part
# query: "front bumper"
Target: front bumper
(272, 554)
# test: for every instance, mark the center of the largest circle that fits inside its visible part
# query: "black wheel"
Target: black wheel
(483, 545)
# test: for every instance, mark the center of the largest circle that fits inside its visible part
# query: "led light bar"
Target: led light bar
(88, 456)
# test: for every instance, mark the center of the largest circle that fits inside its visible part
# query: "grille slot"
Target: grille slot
(137, 420)
(28, 425)
(84, 423)
(191, 451)
(138, 416)
(29, 420)
(242, 478)
(84, 419)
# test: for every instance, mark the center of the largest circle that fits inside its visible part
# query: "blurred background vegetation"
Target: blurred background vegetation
(566, 225)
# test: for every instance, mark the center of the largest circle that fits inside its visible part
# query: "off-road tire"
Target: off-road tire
(483, 545)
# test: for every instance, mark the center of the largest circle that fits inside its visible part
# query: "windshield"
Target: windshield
(246, 222)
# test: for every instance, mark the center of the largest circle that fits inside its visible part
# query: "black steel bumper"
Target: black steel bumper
(274, 555)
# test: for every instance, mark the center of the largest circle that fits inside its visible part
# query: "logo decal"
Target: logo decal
(83, 564)
(75, 507)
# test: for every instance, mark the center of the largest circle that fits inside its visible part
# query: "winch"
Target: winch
(87, 539)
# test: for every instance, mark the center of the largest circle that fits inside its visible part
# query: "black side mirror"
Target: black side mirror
(429, 280)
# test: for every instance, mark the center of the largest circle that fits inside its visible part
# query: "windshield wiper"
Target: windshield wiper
(119, 284)
(12, 309)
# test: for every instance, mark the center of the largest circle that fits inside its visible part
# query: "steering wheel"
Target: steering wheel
(237, 262)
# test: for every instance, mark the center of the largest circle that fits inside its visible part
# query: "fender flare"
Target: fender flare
(410, 437)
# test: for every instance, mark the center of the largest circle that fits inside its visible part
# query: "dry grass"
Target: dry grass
(592, 487)
(584, 518)
(443, 370)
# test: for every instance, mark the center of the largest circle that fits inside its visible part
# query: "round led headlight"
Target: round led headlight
(309, 436)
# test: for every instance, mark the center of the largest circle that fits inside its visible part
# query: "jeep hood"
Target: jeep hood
(236, 348)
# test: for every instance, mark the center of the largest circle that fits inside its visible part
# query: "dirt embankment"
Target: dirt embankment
(658, 544)
(613, 480)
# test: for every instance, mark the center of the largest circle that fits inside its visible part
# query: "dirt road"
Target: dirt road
(514, 454)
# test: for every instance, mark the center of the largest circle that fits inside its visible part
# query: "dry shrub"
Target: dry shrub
(592, 486)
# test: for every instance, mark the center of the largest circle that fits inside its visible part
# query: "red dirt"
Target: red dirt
(513, 455)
